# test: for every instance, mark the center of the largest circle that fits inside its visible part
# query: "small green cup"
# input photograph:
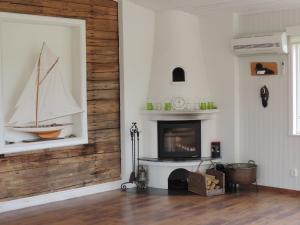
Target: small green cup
(214, 106)
(210, 105)
(149, 106)
(168, 106)
(203, 106)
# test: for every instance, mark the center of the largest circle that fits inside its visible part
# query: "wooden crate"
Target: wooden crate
(197, 183)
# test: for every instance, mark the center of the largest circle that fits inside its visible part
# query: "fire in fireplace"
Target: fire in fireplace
(179, 139)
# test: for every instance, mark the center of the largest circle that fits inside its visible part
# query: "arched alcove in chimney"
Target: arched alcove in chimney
(178, 75)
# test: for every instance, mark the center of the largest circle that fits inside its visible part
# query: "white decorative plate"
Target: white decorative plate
(178, 103)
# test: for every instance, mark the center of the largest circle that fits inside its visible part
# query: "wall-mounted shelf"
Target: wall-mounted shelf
(180, 114)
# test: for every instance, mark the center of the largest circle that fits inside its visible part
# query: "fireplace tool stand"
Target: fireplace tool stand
(137, 176)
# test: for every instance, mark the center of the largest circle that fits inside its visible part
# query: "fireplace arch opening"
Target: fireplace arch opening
(177, 180)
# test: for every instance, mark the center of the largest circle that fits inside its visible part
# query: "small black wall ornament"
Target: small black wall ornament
(264, 94)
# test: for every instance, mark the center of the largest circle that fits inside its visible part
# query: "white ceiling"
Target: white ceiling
(202, 7)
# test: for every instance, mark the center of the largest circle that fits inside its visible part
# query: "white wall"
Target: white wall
(268, 21)
(246, 130)
(136, 46)
(216, 33)
(264, 132)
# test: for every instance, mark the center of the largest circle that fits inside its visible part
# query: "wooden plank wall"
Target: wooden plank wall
(38, 172)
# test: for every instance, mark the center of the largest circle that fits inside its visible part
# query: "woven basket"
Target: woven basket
(242, 173)
(197, 183)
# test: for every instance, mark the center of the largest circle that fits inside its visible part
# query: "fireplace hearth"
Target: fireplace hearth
(179, 140)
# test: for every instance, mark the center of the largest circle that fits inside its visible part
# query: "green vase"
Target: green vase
(210, 105)
(203, 106)
(149, 106)
(168, 106)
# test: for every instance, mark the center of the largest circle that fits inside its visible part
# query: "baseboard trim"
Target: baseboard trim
(57, 196)
(279, 190)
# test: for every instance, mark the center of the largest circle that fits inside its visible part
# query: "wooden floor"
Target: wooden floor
(111, 208)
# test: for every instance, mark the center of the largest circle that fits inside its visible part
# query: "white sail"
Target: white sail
(54, 101)
(25, 107)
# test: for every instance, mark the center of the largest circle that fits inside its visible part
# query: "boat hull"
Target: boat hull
(45, 132)
(49, 134)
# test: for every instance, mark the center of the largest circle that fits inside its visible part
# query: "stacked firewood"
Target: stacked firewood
(212, 182)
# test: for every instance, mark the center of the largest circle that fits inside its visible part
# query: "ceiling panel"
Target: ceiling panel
(203, 7)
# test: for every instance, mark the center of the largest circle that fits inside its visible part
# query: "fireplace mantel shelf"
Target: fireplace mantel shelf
(180, 115)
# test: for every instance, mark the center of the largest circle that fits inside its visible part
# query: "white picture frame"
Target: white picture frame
(65, 36)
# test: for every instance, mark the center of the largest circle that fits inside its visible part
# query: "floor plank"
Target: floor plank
(119, 208)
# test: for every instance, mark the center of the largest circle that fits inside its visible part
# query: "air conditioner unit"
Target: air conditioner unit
(260, 44)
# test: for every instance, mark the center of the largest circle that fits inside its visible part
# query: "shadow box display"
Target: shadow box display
(43, 82)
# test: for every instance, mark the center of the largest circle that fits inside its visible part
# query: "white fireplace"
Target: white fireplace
(159, 169)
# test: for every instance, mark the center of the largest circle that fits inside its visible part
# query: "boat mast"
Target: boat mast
(38, 89)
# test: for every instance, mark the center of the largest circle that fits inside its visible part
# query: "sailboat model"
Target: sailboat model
(44, 99)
